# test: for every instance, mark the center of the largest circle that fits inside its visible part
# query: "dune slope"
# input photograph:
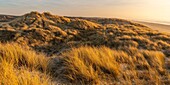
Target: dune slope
(79, 50)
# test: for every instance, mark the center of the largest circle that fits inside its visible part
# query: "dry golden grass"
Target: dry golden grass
(84, 24)
(98, 65)
(87, 64)
(20, 57)
(82, 65)
(19, 66)
(51, 33)
(154, 57)
(131, 53)
(9, 75)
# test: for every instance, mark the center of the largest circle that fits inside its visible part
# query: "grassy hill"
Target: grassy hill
(78, 50)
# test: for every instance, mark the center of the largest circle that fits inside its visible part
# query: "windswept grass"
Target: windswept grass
(19, 66)
(9, 75)
(82, 65)
(102, 65)
(18, 56)
(85, 51)
(88, 64)
(51, 33)
(154, 58)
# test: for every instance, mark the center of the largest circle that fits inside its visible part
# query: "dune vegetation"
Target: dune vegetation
(45, 49)
(82, 65)
(19, 66)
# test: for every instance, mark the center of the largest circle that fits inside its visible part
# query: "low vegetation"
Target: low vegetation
(102, 65)
(19, 66)
(46, 49)
(53, 34)
(82, 65)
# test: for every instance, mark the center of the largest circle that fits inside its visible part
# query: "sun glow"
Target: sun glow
(154, 10)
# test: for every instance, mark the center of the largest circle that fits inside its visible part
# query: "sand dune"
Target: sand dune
(46, 49)
(156, 26)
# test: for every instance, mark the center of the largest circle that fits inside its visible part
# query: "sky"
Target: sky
(151, 10)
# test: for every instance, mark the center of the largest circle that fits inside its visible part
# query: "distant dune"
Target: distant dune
(157, 26)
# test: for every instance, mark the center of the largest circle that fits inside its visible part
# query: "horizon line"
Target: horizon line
(140, 20)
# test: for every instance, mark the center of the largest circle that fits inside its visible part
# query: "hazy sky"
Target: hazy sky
(157, 10)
